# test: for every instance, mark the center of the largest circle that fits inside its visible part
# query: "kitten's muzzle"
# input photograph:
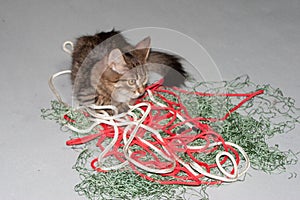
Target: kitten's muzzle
(141, 90)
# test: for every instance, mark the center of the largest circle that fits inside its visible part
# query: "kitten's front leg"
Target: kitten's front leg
(123, 107)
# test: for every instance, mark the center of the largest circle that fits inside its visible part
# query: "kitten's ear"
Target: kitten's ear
(116, 61)
(144, 48)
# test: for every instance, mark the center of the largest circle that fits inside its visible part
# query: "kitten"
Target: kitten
(107, 70)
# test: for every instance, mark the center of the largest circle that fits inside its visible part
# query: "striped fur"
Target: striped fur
(98, 78)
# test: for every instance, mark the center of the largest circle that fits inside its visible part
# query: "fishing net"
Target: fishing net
(174, 143)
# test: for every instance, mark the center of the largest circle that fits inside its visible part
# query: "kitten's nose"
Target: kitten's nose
(141, 90)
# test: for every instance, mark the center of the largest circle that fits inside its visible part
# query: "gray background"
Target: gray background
(259, 38)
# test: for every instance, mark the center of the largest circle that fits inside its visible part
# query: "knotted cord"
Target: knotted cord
(100, 180)
(145, 118)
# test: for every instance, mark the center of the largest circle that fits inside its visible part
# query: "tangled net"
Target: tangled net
(176, 138)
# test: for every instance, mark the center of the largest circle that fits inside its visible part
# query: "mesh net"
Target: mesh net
(223, 111)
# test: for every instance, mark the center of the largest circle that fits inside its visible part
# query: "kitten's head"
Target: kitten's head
(127, 72)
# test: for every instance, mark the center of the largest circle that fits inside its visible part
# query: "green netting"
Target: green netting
(260, 119)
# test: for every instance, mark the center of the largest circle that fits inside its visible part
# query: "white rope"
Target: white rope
(68, 47)
(52, 87)
(100, 116)
(228, 177)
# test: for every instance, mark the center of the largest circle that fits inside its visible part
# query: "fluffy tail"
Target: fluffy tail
(169, 66)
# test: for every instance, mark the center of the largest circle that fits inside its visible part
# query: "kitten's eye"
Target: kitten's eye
(131, 81)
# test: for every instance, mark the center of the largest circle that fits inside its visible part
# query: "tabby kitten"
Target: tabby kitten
(107, 70)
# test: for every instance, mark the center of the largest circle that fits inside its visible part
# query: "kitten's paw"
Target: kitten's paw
(122, 107)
